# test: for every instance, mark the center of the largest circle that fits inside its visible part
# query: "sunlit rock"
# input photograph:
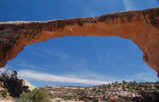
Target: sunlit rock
(142, 27)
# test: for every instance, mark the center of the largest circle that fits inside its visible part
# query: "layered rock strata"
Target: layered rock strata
(142, 27)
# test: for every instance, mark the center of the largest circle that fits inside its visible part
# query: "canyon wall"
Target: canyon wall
(141, 26)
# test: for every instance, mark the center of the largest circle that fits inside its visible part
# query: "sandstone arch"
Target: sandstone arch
(142, 27)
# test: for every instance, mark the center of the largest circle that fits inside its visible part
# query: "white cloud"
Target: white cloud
(128, 4)
(137, 4)
(45, 77)
(85, 78)
(82, 76)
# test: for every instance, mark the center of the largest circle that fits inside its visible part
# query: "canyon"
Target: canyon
(114, 92)
(140, 26)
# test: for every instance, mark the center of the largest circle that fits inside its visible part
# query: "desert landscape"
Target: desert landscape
(79, 51)
(114, 92)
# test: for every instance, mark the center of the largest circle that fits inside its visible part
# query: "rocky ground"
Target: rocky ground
(115, 92)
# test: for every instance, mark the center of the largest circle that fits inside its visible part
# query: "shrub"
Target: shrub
(37, 95)
(67, 97)
(40, 95)
(26, 95)
(4, 92)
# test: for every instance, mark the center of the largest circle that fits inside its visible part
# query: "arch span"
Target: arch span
(142, 27)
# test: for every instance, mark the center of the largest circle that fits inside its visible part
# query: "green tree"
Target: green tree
(12, 83)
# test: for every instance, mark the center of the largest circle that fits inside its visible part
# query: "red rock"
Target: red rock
(142, 27)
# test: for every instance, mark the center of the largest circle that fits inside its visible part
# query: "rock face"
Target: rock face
(30, 86)
(142, 27)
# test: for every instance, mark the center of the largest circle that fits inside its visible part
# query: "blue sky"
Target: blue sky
(77, 60)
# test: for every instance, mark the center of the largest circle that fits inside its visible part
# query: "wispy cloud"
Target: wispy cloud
(82, 76)
(53, 53)
(24, 64)
(140, 4)
(86, 78)
(145, 76)
(128, 4)
(45, 77)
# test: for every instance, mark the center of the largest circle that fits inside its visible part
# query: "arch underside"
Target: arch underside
(142, 27)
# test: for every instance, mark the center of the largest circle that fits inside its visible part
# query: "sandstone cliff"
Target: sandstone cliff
(142, 27)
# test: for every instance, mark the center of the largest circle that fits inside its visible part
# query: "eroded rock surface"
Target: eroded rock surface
(29, 85)
(142, 27)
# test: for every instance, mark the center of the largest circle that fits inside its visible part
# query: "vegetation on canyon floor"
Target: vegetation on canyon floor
(115, 92)
(12, 88)
(37, 95)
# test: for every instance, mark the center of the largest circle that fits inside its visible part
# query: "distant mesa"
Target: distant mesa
(141, 26)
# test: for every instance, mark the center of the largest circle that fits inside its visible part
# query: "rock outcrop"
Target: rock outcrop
(142, 27)
(29, 85)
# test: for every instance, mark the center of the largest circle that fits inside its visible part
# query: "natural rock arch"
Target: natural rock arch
(142, 27)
